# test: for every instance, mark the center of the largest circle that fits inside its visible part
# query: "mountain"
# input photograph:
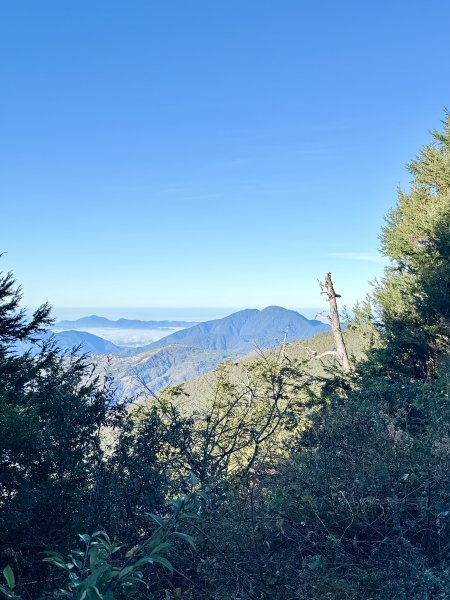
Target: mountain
(245, 330)
(195, 367)
(67, 340)
(189, 352)
(96, 322)
(90, 344)
(192, 352)
(199, 390)
(157, 368)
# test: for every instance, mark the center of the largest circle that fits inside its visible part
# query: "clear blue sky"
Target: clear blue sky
(186, 153)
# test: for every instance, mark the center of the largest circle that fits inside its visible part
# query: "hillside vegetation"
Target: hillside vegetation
(282, 477)
(199, 349)
(196, 392)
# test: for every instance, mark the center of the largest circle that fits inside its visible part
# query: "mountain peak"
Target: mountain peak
(275, 308)
(245, 330)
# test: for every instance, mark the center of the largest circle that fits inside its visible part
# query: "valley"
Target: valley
(188, 352)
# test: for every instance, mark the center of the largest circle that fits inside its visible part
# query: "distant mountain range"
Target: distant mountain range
(192, 352)
(95, 322)
(245, 331)
(186, 353)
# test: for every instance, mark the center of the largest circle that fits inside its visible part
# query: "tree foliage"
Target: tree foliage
(414, 296)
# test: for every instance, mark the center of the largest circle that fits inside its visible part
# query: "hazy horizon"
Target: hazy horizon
(194, 314)
(135, 338)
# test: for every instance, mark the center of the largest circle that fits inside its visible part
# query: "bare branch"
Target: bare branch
(326, 353)
(312, 354)
(324, 316)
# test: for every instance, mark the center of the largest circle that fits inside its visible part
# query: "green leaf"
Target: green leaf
(164, 562)
(57, 562)
(146, 560)
(94, 593)
(8, 574)
(187, 538)
(77, 563)
(102, 535)
(97, 533)
(54, 555)
(157, 519)
(160, 547)
(94, 557)
(126, 571)
(115, 548)
(85, 537)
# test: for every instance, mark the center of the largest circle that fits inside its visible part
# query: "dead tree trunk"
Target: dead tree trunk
(333, 320)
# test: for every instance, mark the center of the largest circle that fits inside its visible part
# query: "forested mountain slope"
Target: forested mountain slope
(155, 369)
(199, 349)
(305, 353)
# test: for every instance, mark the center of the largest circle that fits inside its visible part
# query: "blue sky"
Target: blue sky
(192, 153)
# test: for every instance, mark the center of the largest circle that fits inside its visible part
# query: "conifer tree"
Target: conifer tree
(414, 295)
(51, 412)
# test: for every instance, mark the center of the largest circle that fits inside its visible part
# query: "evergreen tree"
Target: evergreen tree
(51, 413)
(414, 295)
